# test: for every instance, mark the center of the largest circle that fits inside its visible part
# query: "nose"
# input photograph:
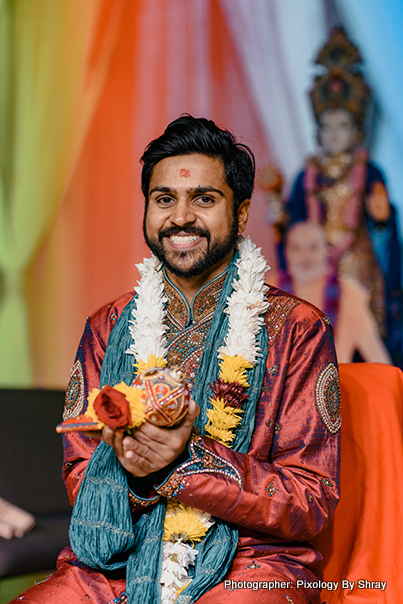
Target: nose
(305, 256)
(182, 213)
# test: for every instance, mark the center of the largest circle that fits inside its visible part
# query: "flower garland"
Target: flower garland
(147, 326)
(182, 524)
(245, 308)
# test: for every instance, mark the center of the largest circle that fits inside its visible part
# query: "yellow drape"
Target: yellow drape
(49, 83)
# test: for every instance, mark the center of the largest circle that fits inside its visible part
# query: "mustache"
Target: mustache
(191, 230)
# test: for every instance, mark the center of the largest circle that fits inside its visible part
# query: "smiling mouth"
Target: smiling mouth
(184, 239)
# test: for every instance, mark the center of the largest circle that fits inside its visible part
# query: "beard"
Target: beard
(215, 252)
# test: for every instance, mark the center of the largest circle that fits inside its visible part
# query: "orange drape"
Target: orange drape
(364, 540)
(158, 70)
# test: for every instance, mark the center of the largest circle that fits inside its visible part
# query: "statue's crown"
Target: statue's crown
(343, 85)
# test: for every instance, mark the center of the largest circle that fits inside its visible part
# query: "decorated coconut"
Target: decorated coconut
(165, 395)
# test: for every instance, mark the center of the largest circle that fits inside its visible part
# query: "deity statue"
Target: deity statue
(345, 192)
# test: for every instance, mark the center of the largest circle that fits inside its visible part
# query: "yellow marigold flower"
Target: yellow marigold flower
(222, 416)
(133, 395)
(219, 404)
(222, 419)
(173, 507)
(233, 369)
(152, 361)
(184, 523)
(90, 411)
(225, 437)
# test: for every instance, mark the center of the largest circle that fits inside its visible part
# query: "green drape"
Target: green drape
(50, 79)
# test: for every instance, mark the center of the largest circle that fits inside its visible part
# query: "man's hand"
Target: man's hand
(151, 448)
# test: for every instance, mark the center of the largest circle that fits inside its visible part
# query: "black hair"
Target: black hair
(187, 135)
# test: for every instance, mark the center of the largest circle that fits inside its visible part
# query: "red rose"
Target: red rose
(112, 408)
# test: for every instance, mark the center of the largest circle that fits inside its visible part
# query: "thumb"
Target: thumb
(193, 412)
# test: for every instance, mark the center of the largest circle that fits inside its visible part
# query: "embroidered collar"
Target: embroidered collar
(203, 303)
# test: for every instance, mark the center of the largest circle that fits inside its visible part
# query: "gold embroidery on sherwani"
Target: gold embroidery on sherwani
(276, 315)
(74, 401)
(327, 397)
(202, 461)
(186, 339)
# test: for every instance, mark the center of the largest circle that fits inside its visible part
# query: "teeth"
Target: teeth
(183, 238)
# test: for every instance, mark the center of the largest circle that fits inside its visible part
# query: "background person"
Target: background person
(311, 276)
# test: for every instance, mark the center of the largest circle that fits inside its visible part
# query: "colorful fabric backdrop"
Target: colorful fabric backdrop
(84, 86)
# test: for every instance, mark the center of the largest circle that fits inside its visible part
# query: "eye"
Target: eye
(204, 200)
(164, 201)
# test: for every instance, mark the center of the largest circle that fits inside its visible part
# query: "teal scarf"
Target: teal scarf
(102, 534)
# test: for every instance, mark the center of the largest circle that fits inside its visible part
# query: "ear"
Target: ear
(243, 215)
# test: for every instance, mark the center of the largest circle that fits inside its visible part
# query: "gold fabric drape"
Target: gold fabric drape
(48, 89)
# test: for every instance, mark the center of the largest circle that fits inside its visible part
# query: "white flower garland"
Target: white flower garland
(244, 309)
(246, 304)
(147, 326)
(176, 559)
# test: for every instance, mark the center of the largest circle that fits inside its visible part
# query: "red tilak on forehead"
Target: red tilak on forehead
(184, 173)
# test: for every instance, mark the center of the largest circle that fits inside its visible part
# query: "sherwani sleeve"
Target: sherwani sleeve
(85, 375)
(287, 484)
(77, 447)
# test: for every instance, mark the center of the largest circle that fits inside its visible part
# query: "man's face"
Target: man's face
(189, 223)
(337, 132)
(305, 252)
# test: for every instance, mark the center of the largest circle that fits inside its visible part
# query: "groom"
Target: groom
(226, 502)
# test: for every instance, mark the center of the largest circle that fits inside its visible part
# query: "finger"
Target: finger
(107, 435)
(114, 439)
(138, 466)
(166, 444)
(134, 457)
(193, 411)
(152, 454)
(148, 432)
(93, 434)
(133, 449)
